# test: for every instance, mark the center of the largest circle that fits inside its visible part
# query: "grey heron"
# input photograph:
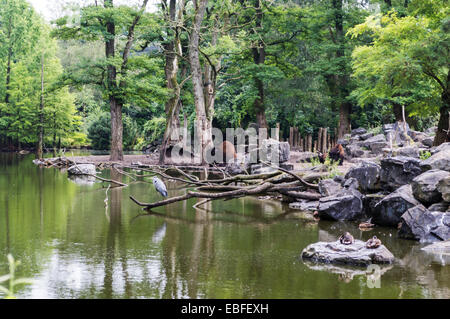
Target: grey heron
(160, 186)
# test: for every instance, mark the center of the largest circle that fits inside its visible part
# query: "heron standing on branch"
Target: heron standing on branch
(160, 186)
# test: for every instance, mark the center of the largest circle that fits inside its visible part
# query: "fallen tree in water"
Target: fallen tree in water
(293, 186)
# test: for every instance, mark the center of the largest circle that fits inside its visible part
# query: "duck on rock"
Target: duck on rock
(346, 239)
(373, 243)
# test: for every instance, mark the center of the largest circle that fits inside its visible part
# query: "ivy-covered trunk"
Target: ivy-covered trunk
(443, 130)
(172, 108)
(114, 103)
(203, 122)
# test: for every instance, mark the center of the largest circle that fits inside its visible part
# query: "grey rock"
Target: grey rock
(375, 144)
(355, 254)
(440, 148)
(275, 151)
(420, 224)
(328, 187)
(440, 160)
(346, 205)
(343, 142)
(355, 139)
(235, 167)
(354, 150)
(431, 130)
(408, 151)
(339, 179)
(417, 136)
(398, 171)
(444, 188)
(306, 157)
(424, 186)
(396, 133)
(350, 184)
(427, 141)
(359, 131)
(374, 139)
(261, 169)
(82, 169)
(439, 207)
(389, 210)
(305, 205)
(366, 136)
(367, 174)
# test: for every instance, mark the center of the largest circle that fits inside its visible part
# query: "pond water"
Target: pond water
(75, 247)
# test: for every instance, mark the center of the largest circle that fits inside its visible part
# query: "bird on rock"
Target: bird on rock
(373, 242)
(346, 239)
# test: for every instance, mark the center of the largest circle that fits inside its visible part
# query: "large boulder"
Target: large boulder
(420, 224)
(424, 186)
(408, 151)
(389, 210)
(367, 174)
(396, 134)
(440, 160)
(329, 187)
(375, 144)
(444, 188)
(439, 207)
(275, 151)
(82, 169)
(398, 171)
(427, 141)
(345, 205)
(354, 150)
(355, 254)
(444, 147)
(366, 136)
(359, 131)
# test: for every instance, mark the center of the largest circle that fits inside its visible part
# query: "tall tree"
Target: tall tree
(107, 23)
(409, 56)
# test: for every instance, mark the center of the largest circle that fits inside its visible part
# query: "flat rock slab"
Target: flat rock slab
(355, 254)
(82, 169)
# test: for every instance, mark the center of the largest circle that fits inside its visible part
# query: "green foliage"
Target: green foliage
(27, 50)
(402, 62)
(425, 155)
(13, 281)
(99, 132)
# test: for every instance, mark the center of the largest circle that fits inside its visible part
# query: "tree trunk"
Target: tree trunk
(342, 80)
(344, 119)
(41, 114)
(8, 67)
(172, 52)
(443, 133)
(202, 123)
(259, 57)
(114, 103)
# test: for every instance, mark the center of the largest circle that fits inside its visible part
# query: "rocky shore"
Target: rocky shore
(406, 186)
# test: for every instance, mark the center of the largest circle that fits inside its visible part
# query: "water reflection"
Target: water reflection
(76, 247)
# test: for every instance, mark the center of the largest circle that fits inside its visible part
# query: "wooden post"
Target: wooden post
(318, 143)
(310, 143)
(277, 132)
(324, 140)
(291, 137)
